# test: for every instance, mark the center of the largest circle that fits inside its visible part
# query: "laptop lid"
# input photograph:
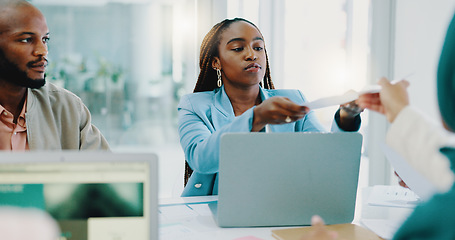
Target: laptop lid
(92, 195)
(283, 179)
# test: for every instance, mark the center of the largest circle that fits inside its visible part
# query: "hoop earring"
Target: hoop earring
(263, 86)
(219, 82)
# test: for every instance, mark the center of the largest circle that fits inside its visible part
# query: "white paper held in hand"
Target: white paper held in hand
(414, 179)
(374, 88)
(349, 96)
(331, 101)
(377, 88)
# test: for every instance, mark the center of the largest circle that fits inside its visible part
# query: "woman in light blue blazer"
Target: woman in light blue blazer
(235, 93)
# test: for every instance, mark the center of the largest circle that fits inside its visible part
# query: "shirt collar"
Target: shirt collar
(223, 103)
(21, 119)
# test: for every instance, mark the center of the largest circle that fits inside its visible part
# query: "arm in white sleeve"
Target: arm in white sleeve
(418, 140)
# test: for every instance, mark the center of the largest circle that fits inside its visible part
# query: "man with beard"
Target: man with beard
(35, 115)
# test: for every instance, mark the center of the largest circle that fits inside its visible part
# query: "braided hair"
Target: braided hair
(209, 49)
(207, 76)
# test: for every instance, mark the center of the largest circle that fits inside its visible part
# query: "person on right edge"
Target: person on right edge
(434, 219)
(410, 131)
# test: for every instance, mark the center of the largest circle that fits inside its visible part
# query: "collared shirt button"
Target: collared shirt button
(198, 185)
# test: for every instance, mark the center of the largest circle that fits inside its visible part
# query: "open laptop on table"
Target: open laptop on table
(92, 195)
(283, 179)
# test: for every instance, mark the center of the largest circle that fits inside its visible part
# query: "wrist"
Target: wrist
(395, 112)
(350, 110)
(348, 113)
(346, 123)
(257, 124)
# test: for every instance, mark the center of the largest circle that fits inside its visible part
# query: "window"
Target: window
(131, 60)
(118, 57)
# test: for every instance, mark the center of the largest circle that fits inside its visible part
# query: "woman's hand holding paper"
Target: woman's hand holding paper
(277, 110)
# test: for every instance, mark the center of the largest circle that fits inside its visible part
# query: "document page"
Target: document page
(349, 96)
(416, 182)
(393, 196)
(332, 101)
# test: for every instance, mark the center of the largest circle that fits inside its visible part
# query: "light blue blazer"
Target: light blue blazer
(205, 116)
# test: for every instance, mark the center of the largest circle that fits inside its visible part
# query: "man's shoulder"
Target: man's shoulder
(51, 90)
(54, 97)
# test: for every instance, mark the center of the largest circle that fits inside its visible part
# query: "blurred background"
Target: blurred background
(131, 60)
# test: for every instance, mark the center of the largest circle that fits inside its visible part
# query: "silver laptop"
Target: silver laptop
(283, 179)
(92, 195)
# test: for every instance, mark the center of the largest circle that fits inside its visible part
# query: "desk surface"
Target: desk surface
(190, 218)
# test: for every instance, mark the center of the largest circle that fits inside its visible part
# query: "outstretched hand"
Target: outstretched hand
(389, 101)
(277, 110)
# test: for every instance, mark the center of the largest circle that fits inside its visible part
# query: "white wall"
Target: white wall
(420, 31)
(406, 38)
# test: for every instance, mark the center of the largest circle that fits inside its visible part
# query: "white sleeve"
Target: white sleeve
(418, 140)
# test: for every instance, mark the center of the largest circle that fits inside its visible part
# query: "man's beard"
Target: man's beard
(11, 73)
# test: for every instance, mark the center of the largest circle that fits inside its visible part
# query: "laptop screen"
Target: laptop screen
(109, 199)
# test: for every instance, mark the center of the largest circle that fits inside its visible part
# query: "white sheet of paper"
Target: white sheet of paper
(374, 88)
(415, 181)
(332, 101)
(349, 96)
(370, 89)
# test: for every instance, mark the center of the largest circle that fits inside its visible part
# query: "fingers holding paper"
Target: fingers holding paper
(350, 109)
(391, 99)
(394, 97)
(371, 101)
(277, 110)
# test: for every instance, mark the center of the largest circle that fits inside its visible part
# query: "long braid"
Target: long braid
(209, 49)
(267, 77)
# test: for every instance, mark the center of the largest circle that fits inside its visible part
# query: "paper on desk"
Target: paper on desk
(393, 196)
(415, 181)
(176, 212)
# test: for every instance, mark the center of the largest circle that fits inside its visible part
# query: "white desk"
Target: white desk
(382, 220)
(190, 218)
